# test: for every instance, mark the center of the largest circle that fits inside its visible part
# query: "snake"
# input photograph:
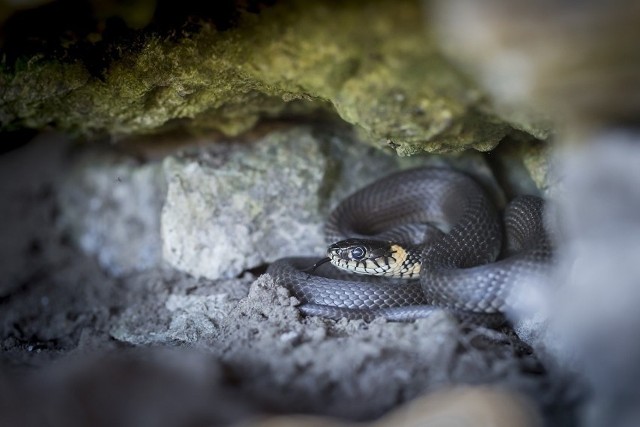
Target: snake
(417, 241)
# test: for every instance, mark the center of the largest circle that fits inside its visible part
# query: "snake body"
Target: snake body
(452, 234)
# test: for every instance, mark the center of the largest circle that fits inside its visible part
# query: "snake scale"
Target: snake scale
(466, 258)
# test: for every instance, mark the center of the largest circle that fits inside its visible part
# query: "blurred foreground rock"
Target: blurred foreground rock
(460, 407)
(596, 318)
(580, 67)
(580, 64)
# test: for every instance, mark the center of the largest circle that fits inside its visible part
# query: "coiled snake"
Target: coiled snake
(435, 224)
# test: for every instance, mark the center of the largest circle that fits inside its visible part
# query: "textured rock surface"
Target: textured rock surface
(371, 63)
(234, 207)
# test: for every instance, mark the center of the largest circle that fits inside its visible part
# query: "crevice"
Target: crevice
(255, 271)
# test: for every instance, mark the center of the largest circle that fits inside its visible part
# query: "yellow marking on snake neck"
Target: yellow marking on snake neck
(403, 267)
(399, 265)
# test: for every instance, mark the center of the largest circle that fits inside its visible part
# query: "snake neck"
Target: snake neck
(406, 262)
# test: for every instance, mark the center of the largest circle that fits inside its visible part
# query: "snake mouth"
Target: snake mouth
(315, 266)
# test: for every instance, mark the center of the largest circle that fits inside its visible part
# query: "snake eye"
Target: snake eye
(358, 252)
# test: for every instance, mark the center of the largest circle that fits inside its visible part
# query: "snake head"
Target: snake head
(358, 249)
(363, 256)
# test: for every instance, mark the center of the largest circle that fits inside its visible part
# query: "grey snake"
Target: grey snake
(444, 229)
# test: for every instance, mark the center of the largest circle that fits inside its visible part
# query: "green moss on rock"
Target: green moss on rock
(372, 62)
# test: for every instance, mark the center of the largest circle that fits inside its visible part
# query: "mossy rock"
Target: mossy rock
(372, 63)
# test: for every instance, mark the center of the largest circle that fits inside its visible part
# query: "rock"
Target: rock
(111, 205)
(237, 206)
(386, 77)
(595, 308)
(158, 387)
(578, 69)
(463, 406)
